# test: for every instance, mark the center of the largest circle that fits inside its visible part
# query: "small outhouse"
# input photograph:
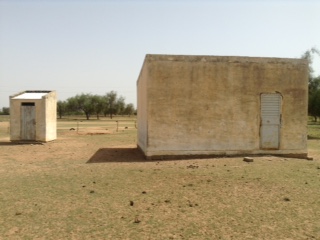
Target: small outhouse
(33, 116)
(190, 106)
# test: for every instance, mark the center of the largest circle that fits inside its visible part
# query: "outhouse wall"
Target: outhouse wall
(210, 105)
(51, 116)
(45, 119)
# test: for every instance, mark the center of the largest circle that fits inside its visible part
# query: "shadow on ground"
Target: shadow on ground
(104, 155)
(313, 137)
(19, 143)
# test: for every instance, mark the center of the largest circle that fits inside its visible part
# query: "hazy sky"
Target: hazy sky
(78, 46)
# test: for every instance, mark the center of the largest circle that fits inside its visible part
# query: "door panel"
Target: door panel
(270, 120)
(28, 122)
(270, 136)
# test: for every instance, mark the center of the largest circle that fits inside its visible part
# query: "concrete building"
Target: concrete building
(33, 116)
(190, 106)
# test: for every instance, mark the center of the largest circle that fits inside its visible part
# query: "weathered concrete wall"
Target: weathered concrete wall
(45, 117)
(195, 105)
(142, 123)
(15, 117)
(51, 116)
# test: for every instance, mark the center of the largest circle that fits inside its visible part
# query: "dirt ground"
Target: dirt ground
(92, 183)
(74, 144)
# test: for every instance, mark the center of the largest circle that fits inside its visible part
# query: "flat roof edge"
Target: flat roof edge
(31, 94)
(234, 59)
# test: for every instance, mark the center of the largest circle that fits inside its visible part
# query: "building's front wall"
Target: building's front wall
(211, 105)
(45, 117)
(15, 119)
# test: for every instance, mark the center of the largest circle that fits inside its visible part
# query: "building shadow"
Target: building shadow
(7, 143)
(14, 143)
(105, 155)
(313, 137)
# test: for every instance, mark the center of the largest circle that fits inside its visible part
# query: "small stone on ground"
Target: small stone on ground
(248, 159)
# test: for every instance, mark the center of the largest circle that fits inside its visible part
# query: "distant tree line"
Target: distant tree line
(89, 104)
(5, 111)
(314, 85)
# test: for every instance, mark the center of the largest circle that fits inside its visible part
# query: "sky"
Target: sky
(96, 46)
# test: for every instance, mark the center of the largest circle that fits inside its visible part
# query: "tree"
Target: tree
(314, 104)
(98, 104)
(129, 109)
(5, 111)
(111, 99)
(313, 85)
(82, 102)
(308, 55)
(90, 104)
(120, 105)
(314, 98)
(62, 108)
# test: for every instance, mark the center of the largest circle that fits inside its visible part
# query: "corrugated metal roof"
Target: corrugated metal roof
(31, 95)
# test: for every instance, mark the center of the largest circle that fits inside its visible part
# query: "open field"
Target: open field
(91, 183)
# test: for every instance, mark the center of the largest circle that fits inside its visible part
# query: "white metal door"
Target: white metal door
(28, 121)
(270, 120)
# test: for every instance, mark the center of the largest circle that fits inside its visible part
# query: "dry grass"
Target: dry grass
(314, 130)
(50, 191)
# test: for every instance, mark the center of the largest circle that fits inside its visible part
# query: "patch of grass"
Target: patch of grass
(4, 118)
(314, 131)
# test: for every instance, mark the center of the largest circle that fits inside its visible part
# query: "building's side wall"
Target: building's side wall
(15, 121)
(142, 108)
(41, 120)
(50, 106)
(212, 105)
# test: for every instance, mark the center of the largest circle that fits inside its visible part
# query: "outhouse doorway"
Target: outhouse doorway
(28, 121)
(270, 125)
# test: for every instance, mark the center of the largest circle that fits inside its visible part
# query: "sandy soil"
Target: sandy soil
(52, 186)
(74, 145)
